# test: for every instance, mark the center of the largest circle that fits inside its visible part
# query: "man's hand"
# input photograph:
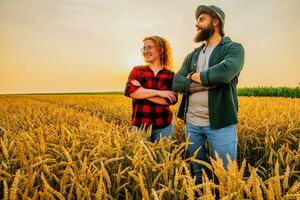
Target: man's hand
(189, 75)
(194, 76)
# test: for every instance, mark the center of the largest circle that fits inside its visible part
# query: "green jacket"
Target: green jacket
(225, 65)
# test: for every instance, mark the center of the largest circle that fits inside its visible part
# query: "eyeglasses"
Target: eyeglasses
(147, 48)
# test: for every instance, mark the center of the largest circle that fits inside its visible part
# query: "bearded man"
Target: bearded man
(208, 81)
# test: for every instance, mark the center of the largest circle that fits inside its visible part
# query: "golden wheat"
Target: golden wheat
(83, 147)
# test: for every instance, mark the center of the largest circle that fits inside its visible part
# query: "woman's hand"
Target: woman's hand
(171, 95)
(135, 83)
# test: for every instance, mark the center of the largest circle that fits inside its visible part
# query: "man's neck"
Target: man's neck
(214, 40)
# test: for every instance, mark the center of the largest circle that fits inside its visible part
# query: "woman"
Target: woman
(150, 86)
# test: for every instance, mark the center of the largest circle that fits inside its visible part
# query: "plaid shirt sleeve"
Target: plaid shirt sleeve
(135, 74)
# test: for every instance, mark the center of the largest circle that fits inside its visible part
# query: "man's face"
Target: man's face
(204, 27)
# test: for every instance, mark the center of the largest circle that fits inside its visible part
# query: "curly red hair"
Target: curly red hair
(164, 49)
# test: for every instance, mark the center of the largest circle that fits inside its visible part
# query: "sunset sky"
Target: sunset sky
(91, 45)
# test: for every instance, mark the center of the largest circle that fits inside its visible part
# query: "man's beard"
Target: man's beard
(205, 33)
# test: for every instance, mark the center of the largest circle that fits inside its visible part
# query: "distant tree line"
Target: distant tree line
(270, 91)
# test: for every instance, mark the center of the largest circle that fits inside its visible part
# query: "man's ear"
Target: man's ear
(216, 22)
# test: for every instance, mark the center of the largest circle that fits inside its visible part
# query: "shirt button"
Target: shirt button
(194, 64)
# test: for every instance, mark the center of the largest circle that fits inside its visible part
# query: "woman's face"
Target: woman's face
(150, 51)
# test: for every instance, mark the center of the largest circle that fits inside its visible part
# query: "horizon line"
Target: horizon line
(120, 92)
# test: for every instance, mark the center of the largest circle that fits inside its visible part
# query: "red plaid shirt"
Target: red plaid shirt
(144, 111)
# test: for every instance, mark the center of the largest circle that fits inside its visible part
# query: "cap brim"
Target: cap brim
(203, 9)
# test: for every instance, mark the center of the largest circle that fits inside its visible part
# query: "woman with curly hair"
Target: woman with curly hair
(150, 87)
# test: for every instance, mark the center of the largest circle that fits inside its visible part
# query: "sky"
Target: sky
(91, 45)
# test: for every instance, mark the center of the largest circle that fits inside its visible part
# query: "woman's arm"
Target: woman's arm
(159, 100)
(156, 96)
(144, 93)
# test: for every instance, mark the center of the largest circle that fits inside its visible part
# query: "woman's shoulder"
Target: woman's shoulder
(170, 71)
(140, 67)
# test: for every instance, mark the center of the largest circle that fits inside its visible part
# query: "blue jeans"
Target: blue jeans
(223, 141)
(164, 132)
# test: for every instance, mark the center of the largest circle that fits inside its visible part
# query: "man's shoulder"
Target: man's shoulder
(227, 43)
(231, 48)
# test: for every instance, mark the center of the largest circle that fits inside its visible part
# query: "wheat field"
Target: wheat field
(81, 147)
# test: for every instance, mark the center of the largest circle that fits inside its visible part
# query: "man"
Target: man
(208, 79)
